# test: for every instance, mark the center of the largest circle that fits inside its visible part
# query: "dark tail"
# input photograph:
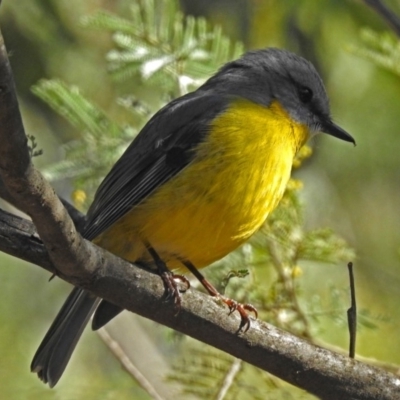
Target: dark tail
(54, 352)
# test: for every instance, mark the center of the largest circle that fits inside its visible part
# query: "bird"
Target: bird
(198, 180)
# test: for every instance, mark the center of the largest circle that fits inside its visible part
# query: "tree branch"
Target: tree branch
(319, 371)
(60, 247)
(30, 191)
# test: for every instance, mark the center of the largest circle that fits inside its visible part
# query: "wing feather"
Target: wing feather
(146, 164)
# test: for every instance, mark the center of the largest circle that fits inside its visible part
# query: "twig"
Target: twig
(119, 353)
(288, 286)
(229, 377)
(352, 313)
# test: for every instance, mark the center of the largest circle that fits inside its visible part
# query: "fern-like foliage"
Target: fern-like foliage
(207, 373)
(101, 140)
(383, 49)
(163, 46)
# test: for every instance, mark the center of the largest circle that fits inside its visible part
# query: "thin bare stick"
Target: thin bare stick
(229, 377)
(120, 355)
(352, 313)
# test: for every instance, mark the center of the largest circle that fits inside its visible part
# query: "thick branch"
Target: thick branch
(29, 190)
(326, 374)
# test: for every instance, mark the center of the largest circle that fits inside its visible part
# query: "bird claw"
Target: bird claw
(172, 290)
(243, 310)
(182, 279)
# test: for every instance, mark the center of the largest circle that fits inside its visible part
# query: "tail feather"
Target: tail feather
(54, 352)
(105, 312)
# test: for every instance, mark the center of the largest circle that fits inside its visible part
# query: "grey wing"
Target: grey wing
(159, 152)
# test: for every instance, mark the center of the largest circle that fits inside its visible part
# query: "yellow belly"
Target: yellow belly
(222, 197)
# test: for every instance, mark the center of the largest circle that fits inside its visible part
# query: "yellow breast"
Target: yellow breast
(222, 197)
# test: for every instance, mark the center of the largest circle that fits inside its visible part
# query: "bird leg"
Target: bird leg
(171, 280)
(233, 305)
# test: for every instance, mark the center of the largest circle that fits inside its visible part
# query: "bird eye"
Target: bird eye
(305, 94)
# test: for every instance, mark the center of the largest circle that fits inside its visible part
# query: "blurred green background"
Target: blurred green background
(354, 191)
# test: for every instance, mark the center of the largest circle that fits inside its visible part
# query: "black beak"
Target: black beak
(334, 130)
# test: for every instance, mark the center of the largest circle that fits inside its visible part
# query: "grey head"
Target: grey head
(272, 74)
